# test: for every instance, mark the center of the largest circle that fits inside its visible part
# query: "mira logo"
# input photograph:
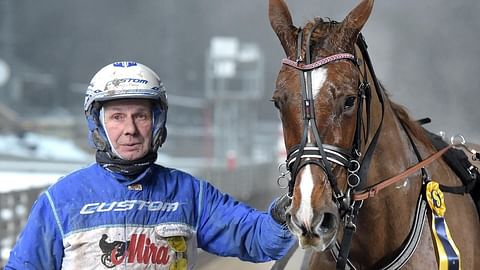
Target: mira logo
(138, 205)
(139, 249)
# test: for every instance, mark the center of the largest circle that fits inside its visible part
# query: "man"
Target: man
(124, 211)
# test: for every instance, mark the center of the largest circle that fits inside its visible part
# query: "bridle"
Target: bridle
(324, 155)
(317, 153)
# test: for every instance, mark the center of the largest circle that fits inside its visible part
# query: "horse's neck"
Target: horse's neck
(386, 219)
(388, 216)
(394, 152)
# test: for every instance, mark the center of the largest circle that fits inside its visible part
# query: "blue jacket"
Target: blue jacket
(90, 219)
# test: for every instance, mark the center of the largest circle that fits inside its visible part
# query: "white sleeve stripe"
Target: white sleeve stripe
(57, 219)
(200, 204)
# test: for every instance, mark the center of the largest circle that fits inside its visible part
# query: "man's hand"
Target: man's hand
(279, 209)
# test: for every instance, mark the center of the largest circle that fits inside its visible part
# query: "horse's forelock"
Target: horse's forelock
(327, 38)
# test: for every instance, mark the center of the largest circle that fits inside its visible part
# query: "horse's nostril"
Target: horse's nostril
(328, 223)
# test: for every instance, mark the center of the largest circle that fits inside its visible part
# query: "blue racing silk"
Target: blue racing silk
(90, 220)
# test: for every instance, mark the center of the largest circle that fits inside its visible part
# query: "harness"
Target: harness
(325, 156)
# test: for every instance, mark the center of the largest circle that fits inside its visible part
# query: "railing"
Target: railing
(14, 209)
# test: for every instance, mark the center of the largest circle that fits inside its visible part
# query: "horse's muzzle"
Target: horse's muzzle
(320, 234)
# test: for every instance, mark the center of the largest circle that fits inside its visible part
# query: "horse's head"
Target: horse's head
(318, 105)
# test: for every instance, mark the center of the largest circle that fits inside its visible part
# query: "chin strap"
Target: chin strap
(125, 167)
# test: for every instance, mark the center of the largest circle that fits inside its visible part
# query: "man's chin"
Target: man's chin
(132, 154)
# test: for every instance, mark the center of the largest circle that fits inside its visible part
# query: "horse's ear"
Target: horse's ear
(282, 25)
(356, 19)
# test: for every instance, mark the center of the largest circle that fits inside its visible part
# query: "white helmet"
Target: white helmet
(120, 80)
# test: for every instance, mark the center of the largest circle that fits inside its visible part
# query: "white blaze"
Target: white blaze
(305, 212)
(319, 76)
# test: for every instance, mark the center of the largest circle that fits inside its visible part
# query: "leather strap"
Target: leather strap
(375, 189)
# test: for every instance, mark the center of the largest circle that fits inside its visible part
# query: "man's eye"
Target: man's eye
(142, 117)
(117, 117)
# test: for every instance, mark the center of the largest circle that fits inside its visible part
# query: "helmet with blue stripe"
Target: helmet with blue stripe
(125, 80)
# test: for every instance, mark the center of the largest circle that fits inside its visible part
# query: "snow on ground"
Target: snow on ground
(35, 160)
(37, 146)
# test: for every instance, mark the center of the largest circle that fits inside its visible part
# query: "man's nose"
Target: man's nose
(130, 127)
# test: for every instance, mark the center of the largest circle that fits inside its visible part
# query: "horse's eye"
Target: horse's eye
(349, 102)
(275, 103)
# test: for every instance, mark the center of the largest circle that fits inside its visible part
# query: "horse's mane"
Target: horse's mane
(415, 129)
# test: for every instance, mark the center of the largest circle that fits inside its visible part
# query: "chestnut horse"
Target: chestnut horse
(344, 138)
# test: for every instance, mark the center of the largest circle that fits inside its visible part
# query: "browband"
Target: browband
(319, 63)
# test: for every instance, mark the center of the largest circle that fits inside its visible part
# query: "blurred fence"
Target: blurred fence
(14, 209)
(255, 183)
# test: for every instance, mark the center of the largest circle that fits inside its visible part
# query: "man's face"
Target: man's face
(128, 123)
